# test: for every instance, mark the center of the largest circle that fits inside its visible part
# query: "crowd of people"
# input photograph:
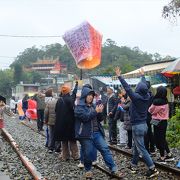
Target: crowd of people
(136, 120)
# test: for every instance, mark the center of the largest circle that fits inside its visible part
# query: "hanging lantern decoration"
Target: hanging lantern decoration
(84, 43)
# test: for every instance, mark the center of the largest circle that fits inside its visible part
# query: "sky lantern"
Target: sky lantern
(84, 43)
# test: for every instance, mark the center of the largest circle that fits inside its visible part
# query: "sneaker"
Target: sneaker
(76, 159)
(127, 147)
(56, 152)
(161, 161)
(153, 153)
(50, 151)
(94, 162)
(169, 158)
(117, 174)
(132, 169)
(113, 143)
(121, 145)
(152, 172)
(88, 175)
(80, 165)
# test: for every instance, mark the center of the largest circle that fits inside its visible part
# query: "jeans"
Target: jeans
(160, 137)
(112, 129)
(51, 143)
(47, 137)
(138, 132)
(100, 144)
(93, 155)
(24, 110)
(40, 120)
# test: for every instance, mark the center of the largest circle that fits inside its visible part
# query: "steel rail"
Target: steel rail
(96, 165)
(25, 161)
(158, 165)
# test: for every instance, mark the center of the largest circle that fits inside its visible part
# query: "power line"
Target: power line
(27, 36)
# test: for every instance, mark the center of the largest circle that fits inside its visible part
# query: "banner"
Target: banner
(84, 43)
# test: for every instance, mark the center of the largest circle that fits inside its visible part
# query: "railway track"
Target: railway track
(31, 169)
(163, 167)
(96, 165)
(174, 172)
(48, 165)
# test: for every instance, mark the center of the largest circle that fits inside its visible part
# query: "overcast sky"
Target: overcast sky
(128, 22)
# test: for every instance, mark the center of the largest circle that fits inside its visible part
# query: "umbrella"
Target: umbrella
(176, 91)
(172, 69)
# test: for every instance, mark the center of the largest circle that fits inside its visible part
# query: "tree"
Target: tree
(157, 57)
(35, 77)
(18, 73)
(112, 55)
(28, 56)
(52, 50)
(172, 10)
(6, 82)
(110, 42)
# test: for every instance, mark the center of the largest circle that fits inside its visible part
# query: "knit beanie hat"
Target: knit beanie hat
(65, 90)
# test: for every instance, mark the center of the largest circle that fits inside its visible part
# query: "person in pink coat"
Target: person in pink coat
(160, 115)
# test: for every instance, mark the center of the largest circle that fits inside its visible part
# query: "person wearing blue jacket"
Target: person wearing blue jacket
(138, 113)
(90, 133)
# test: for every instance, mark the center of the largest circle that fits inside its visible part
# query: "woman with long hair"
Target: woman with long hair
(160, 115)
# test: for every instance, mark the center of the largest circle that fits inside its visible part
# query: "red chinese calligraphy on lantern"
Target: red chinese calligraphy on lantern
(84, 43)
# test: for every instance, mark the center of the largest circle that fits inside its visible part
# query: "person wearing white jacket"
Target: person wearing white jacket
(13, 104)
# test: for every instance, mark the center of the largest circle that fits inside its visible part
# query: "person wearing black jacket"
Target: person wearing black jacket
(111, 106)
(65, 122)
(25, 105)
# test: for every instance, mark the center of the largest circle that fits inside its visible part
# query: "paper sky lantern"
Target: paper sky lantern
(84, 43)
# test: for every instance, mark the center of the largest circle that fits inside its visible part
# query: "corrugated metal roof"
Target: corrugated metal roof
(108, 80)
(35, 85)
(149, 68)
